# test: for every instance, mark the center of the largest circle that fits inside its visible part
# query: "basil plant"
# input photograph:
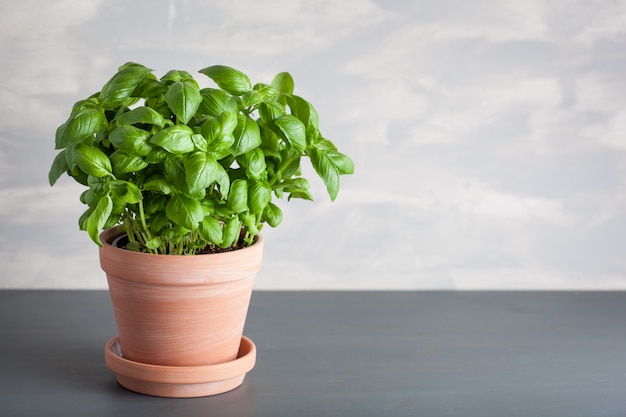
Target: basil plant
(184, 170)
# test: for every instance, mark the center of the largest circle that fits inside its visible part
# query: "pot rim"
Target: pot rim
(108, 236)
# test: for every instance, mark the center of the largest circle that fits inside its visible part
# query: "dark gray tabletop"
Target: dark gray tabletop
(377, 354)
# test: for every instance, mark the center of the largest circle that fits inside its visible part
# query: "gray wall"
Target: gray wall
(489, 136)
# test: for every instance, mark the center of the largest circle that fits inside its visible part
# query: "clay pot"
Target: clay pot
(179, 311)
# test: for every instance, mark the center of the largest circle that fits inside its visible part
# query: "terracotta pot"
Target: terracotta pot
(180, 311)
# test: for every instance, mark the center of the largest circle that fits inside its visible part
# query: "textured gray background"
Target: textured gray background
(489, 136)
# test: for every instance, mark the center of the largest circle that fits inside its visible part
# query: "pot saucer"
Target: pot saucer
(180, 381)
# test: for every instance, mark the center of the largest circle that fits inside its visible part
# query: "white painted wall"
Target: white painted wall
(489, 136)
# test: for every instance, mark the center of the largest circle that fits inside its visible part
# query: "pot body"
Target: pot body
(179, 310)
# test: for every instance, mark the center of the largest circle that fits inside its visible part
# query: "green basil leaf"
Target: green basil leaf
(92, 161)
(124, 163)
(126, 191)
(250, 98)
(159, 185)
(83, 124)
(121, 85)
(294, 184)
(327, 171)
(232, 230)
(200, 142)
(154, 243)
(183, 98)
(58, 168)
(247, 135)
(141, 115)
(184, 211)
(302, 194)
(132, 140)
(259, 195)
(158, 222)
(94, 224)
(249, 221)
(211, 229)
(292, 130)
(255, 163)
(149, 87)
(215, 127)
(270, 143)
(89, 197)
(270, 111)
(156, 155)
(283, 83)
(325, 145)
(304, 111)
(215, 102)
(175, 139)
(60, 138)
(273, 215)
(223, 181)
(238, 196)
(153, 204)
(265, 91)
(228, 79)
(99, 186)
(175, 173)
(344, 164)
(228, 122)
(201, 170)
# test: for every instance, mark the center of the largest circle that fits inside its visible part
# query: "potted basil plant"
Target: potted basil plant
(180, 181)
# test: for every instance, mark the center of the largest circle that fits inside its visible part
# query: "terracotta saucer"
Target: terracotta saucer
(180, 381)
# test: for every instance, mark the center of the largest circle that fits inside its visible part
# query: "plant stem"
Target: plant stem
(142, 217)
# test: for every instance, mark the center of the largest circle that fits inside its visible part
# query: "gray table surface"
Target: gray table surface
(342, 354)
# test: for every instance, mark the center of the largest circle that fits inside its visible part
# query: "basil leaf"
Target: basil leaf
(327, 170)
(283, 83)
(94, 224)
(201, 170)
(247, 135)
(183, 98)
(304, 111)
(265, 91)
(238, 196)
(121, 85)
(303, 194)
(184, 211)
(126, 191)
(159, 185)
(344, 164)
(132, 140)
(259, 195)
(232, 230)
(270, 111)
(124, 163)
(292, 130)
(92, 161)
(255, 163)
(211, 229)
(58, 168)
(273, 215)
(83, 124)
(228, 79)
(175, 173)
(175, 139)
(141, 115)
(149, 87)
(215, 102)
